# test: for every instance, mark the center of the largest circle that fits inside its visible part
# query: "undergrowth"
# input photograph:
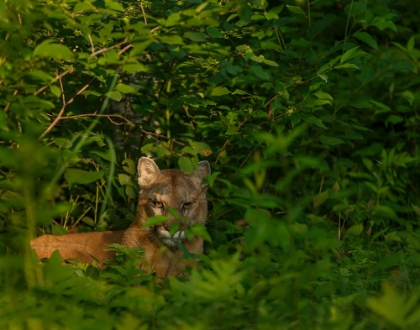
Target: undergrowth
(307, 112)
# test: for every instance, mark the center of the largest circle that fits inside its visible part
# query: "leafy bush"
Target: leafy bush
(308, 113)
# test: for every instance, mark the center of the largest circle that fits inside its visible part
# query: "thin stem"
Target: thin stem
(144, 13)
(309, 14)
(347, 24)
(60, 113)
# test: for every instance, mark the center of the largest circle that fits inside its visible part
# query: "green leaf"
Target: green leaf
(129, 166)
(355, 230)
(320, 198)
(195, 36)
(382, 24)
(89, 221)
(259, 72)
(409, 96)
(273, 23)
(126, 89)
(58, 230)
(130, 192)
(346, 66)
(296, 10)
(55, 90)
(63, 143)
(41, 76)
(391, 306)
(155, 220)
(232, 130)
(124, 180)
(240, 92)
(114, 95)
(394, 119)
(199, 230)
(355, 8)
(49, 49)
(403, 66)
(134, 68)
(336, 187)
(323, 68)
(349, 54)
(411, 44)
(189, 150)
(367, 38)
(114, 5)
(78, 176)
(330, 140)
(270, 63)
(386, 211)
(323, 96)
(416, 209)
(219, 91)
(202, 148)
(108, 154)
(171, 40)
(313, 120)
(389, 261)
(162, 151)
(214, 32)
(185, 165)
(83, 6)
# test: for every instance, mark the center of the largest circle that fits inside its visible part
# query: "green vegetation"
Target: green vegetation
(307, 112)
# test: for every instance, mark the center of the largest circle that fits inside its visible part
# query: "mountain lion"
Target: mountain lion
(161, 193)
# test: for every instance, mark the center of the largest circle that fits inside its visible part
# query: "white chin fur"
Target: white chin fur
(168, 240)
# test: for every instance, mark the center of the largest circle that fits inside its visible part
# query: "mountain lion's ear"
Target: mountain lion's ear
(148, 171)
(204, 169)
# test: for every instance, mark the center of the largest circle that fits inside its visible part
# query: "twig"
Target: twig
(161, 137)
(63, 96)
(60, 114)
(53, 81)
(91, 43)
(125, 48)
(155, 135)
(144, 13)
(322, 183)
(276, 96)
(246, 158)
(99, 115)
(103, 50)
(8, 103)
(221, 150)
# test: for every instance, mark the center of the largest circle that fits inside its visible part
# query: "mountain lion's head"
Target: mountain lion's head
(178, 196)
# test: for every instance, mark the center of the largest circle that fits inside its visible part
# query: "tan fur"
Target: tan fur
(181, 192)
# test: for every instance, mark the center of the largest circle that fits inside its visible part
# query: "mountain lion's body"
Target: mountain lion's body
(160, 190)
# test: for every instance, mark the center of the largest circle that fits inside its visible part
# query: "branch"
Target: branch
(8, 103)
(152, 135)
(99, 115)
(103, 50)
(221, 150)
(60, 114)
(144, 13)
(54, 80)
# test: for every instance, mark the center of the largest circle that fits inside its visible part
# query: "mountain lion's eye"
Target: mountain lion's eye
(158, 204)
(187, 205)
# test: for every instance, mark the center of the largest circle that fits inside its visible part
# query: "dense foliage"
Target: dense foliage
(307, 112)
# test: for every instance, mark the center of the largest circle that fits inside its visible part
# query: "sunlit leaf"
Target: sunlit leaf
(49, 49)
